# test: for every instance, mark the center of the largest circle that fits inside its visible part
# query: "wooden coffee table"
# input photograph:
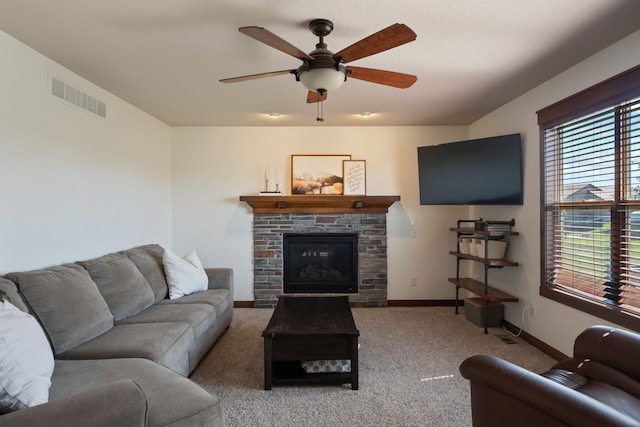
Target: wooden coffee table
(310, 328)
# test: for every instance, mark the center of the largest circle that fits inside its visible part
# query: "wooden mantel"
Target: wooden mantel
(319, 204)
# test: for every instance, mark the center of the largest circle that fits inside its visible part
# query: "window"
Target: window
(590, 159)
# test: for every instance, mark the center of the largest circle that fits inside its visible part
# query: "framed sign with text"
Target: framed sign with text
(354, 173)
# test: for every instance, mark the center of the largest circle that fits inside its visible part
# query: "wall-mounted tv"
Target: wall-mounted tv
(486, 171)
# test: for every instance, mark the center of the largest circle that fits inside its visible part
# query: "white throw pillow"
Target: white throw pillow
(26, 360)
(184, 275)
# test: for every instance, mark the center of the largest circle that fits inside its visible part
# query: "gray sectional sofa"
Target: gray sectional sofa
(122, 349)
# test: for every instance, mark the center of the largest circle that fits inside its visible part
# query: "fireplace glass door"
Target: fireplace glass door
(320, 263)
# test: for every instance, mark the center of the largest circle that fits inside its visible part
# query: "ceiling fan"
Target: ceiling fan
(323, 71)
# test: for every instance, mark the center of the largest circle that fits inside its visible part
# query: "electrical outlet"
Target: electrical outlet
(414, 281)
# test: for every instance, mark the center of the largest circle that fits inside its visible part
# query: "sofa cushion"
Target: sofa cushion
(122, 285)
(26, 360)
(172, 399)
(120, 403)
(184, 275)
(56, 292)
(570, 379)
(613, 397)
(219, 298)
(148, 259)
(604, 383)
(166, 343)
(11, 291)
(200, 316)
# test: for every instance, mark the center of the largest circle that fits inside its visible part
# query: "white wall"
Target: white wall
(212, 167)
(73, 185)
(553, 323)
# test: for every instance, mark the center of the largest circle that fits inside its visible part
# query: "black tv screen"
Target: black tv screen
(486, 171)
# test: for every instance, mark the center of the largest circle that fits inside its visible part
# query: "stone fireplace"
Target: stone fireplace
(365, 218)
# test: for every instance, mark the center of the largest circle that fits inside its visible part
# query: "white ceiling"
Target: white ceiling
(167, 56)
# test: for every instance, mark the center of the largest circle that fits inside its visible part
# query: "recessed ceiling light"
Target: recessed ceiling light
(274, 115)
(365, 114)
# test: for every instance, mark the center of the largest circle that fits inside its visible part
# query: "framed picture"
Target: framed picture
(354, 174)
(317, 173)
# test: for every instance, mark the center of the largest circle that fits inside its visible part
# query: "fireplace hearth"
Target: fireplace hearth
(320, 262)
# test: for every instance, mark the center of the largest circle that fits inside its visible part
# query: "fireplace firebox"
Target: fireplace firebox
(320, 262)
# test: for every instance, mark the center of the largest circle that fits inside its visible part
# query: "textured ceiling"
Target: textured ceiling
(167, 56)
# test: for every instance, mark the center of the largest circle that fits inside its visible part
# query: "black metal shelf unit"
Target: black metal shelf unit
(487, 230)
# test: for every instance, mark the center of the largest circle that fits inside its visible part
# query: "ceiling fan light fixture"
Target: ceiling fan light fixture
(322, 71)
(322, 79)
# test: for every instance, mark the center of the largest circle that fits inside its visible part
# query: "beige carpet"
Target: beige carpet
(409, 359)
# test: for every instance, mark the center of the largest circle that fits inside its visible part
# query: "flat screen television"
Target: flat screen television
(486, 171)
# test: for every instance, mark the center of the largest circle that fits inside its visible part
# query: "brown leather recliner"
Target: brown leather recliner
(599, 386)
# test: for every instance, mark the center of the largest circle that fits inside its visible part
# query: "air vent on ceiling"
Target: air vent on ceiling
(76, 97)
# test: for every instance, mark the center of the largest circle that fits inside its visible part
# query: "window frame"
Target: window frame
(609, 93)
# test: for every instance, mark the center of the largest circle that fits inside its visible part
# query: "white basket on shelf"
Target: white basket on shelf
(496, 248)
(473, 247)
(464, 243)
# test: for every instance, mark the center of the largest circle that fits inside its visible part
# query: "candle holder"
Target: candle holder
(266, 191)
(271, 193)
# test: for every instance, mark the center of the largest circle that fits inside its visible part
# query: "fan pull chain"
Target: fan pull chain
(320, 111)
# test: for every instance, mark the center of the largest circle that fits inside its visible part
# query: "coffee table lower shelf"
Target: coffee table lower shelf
(290, 372)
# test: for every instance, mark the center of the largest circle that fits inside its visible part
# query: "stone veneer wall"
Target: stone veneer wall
(372, 252)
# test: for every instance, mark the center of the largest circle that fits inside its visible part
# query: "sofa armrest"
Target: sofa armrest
(613, 347)
(504, 394)
(220, 278)
(117, 404)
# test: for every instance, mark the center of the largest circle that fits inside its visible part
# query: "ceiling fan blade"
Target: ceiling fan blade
(392, 36)
(388, 78)
(267, 37)
(315, 97)
(256, 76)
